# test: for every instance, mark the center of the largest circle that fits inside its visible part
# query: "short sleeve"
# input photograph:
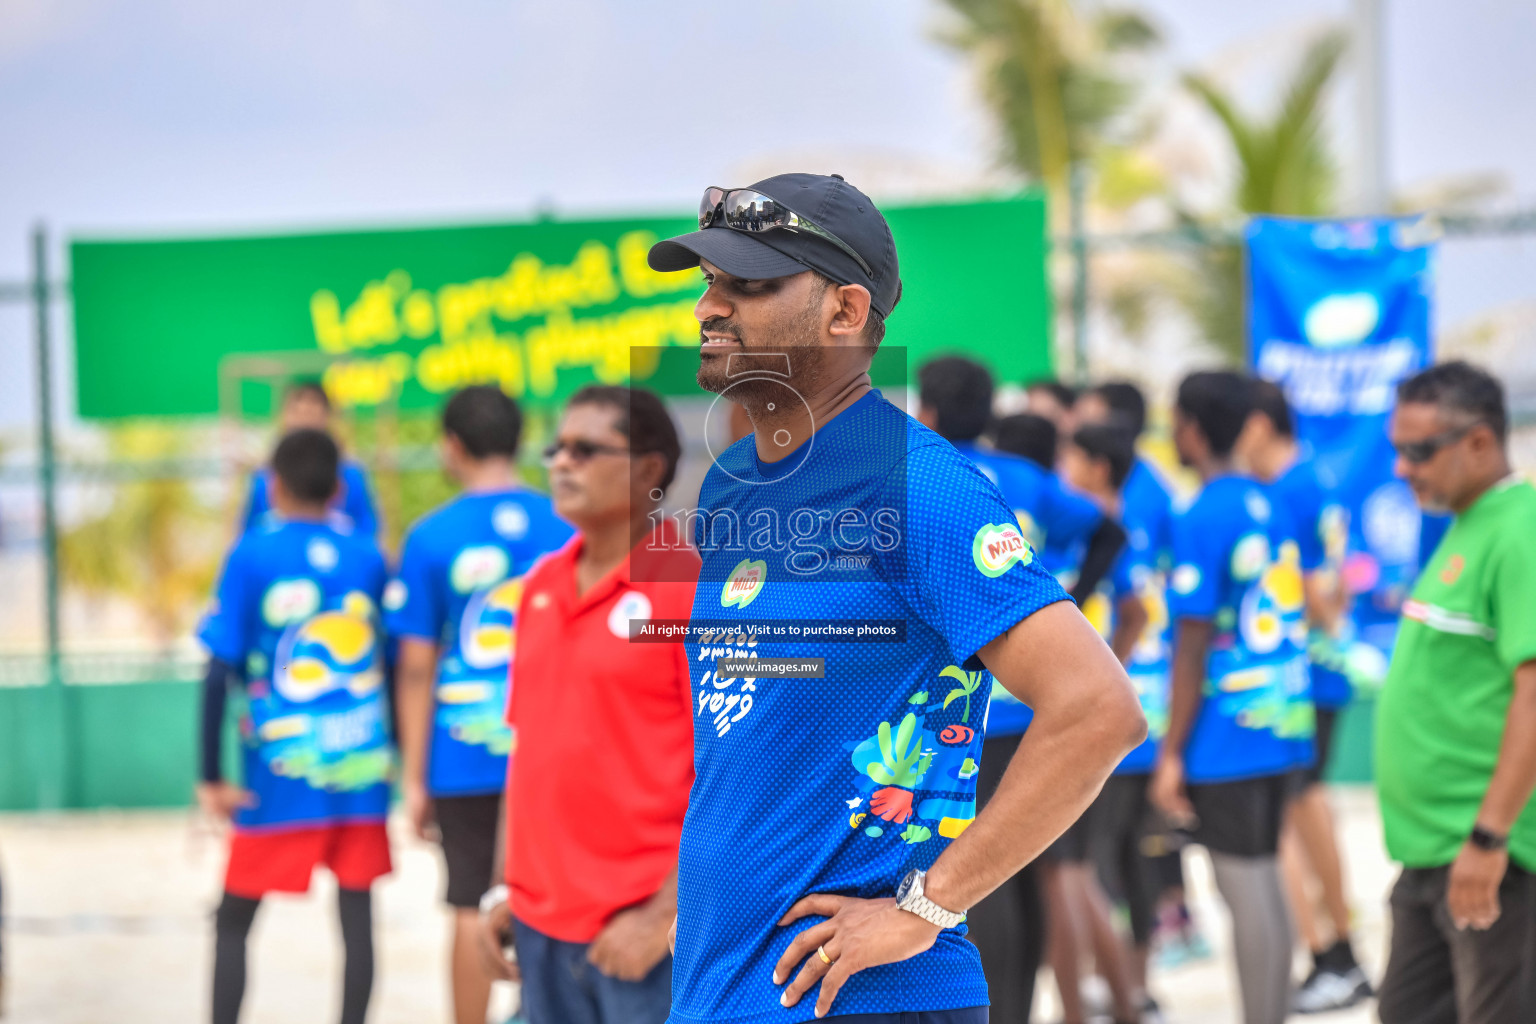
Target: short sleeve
(255, 501)
(413, 601)
(225, 629)
(1514, 613)
(1069, 519)
(1309, 527)
(971, 573)
(1194, 587)
(359, 501)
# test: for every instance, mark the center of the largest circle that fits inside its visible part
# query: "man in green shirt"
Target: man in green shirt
(1456, 722)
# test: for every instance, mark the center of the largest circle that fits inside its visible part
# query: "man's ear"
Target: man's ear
(850, 311)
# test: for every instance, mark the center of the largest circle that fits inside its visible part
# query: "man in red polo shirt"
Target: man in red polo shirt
(602, 762)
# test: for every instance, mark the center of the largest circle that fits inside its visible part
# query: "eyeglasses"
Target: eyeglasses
(580, 451)
(745, 210)
(1419, 452)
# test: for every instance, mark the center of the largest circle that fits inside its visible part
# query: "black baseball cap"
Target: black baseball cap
(826, 200)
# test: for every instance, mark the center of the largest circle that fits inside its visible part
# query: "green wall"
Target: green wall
(126, 745)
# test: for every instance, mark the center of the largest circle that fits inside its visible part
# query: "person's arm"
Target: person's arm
(216, 798)
(1191, 648)
(1103, 548)
(1086, 719)
(1473, 889)
(415, 677)
(1130, 620)
(1325, 599)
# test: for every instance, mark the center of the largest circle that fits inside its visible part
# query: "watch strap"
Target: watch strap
(1487, 839)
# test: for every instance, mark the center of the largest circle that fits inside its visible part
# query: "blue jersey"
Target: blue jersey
(1151, 657)
(1148, 512)
(1238, 565)
(297, 615)
(1322, 536)
(459, 584)
(352, 507)
(840, 784)
(1056, 522)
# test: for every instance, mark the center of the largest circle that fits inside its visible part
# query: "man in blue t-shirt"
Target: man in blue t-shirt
(1146, 500)
(832, 843)
(1239, 662)
(1078, 544)
(294, 633)
(307, 406)
(1269, 450)
(453, 607)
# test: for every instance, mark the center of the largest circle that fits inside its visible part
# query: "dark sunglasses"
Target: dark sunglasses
(580, 451)
(745, 210)
(1419, 452)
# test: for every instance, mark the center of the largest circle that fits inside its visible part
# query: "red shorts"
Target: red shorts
(263, 862)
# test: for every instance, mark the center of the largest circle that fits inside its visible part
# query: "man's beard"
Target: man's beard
(742, 370)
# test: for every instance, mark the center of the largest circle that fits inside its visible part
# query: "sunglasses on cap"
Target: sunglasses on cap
(1419, 452)
(742, 209)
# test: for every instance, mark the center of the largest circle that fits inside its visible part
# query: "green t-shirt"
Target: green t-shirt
(1470, 623)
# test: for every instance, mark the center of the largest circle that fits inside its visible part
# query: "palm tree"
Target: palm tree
(1051, 77)
(1285, 167)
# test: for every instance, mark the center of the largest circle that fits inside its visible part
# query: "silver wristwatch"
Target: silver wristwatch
(494, 897)
(909, 897)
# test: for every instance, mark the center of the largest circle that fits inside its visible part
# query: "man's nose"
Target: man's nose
(712, 305)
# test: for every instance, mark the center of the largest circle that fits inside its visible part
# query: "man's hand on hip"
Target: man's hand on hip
(857, 934)
(632, 943)
(1472, 888)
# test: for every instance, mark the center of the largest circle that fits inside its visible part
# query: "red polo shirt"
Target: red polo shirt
(598, 782)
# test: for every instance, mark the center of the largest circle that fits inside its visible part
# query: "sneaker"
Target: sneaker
(1329, 988)
(1151, 1013)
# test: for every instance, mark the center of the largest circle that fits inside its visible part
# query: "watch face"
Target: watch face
(906, 886)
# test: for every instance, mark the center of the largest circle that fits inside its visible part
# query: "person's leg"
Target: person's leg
(997, 926)
(231, 926)
(355, 907)
(557, 983)
(1008, 926)
(1418, 987)
(1063, 943)
(1109, 952)
(1293, 868)
(1314, 827)
(1261, 934)
(648, 1001)
(1490, 965)
(468, 827)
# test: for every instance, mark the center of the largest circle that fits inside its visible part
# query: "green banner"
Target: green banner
(541, 308)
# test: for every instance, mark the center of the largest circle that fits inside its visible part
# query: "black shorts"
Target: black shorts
(468, 827)
(1116, 825)
(1071, 847)
(1313, 773)
(1241, 818)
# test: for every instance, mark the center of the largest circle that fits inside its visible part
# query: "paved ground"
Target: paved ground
(108, 920)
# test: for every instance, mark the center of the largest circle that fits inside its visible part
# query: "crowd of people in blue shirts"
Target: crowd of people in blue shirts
(351, 674)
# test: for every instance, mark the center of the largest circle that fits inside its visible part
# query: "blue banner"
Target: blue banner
(1339, 312)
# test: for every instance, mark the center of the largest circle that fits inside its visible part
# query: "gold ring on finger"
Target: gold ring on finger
(821, 951)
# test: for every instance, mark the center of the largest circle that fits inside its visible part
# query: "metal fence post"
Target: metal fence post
(1076, 202)
(53, 762)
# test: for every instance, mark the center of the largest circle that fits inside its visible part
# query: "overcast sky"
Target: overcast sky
(166, 116)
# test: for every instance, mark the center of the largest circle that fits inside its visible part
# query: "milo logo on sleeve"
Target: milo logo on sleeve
(744, 583)
(998, 546)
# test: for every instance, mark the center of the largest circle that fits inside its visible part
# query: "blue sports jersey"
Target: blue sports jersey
(458, 586)
(1148, 512)
(1322, 534)
(1056, 522)
(1151, 657)
(297, 614)
(1238, 564)
(844, 783)
(352, 507)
